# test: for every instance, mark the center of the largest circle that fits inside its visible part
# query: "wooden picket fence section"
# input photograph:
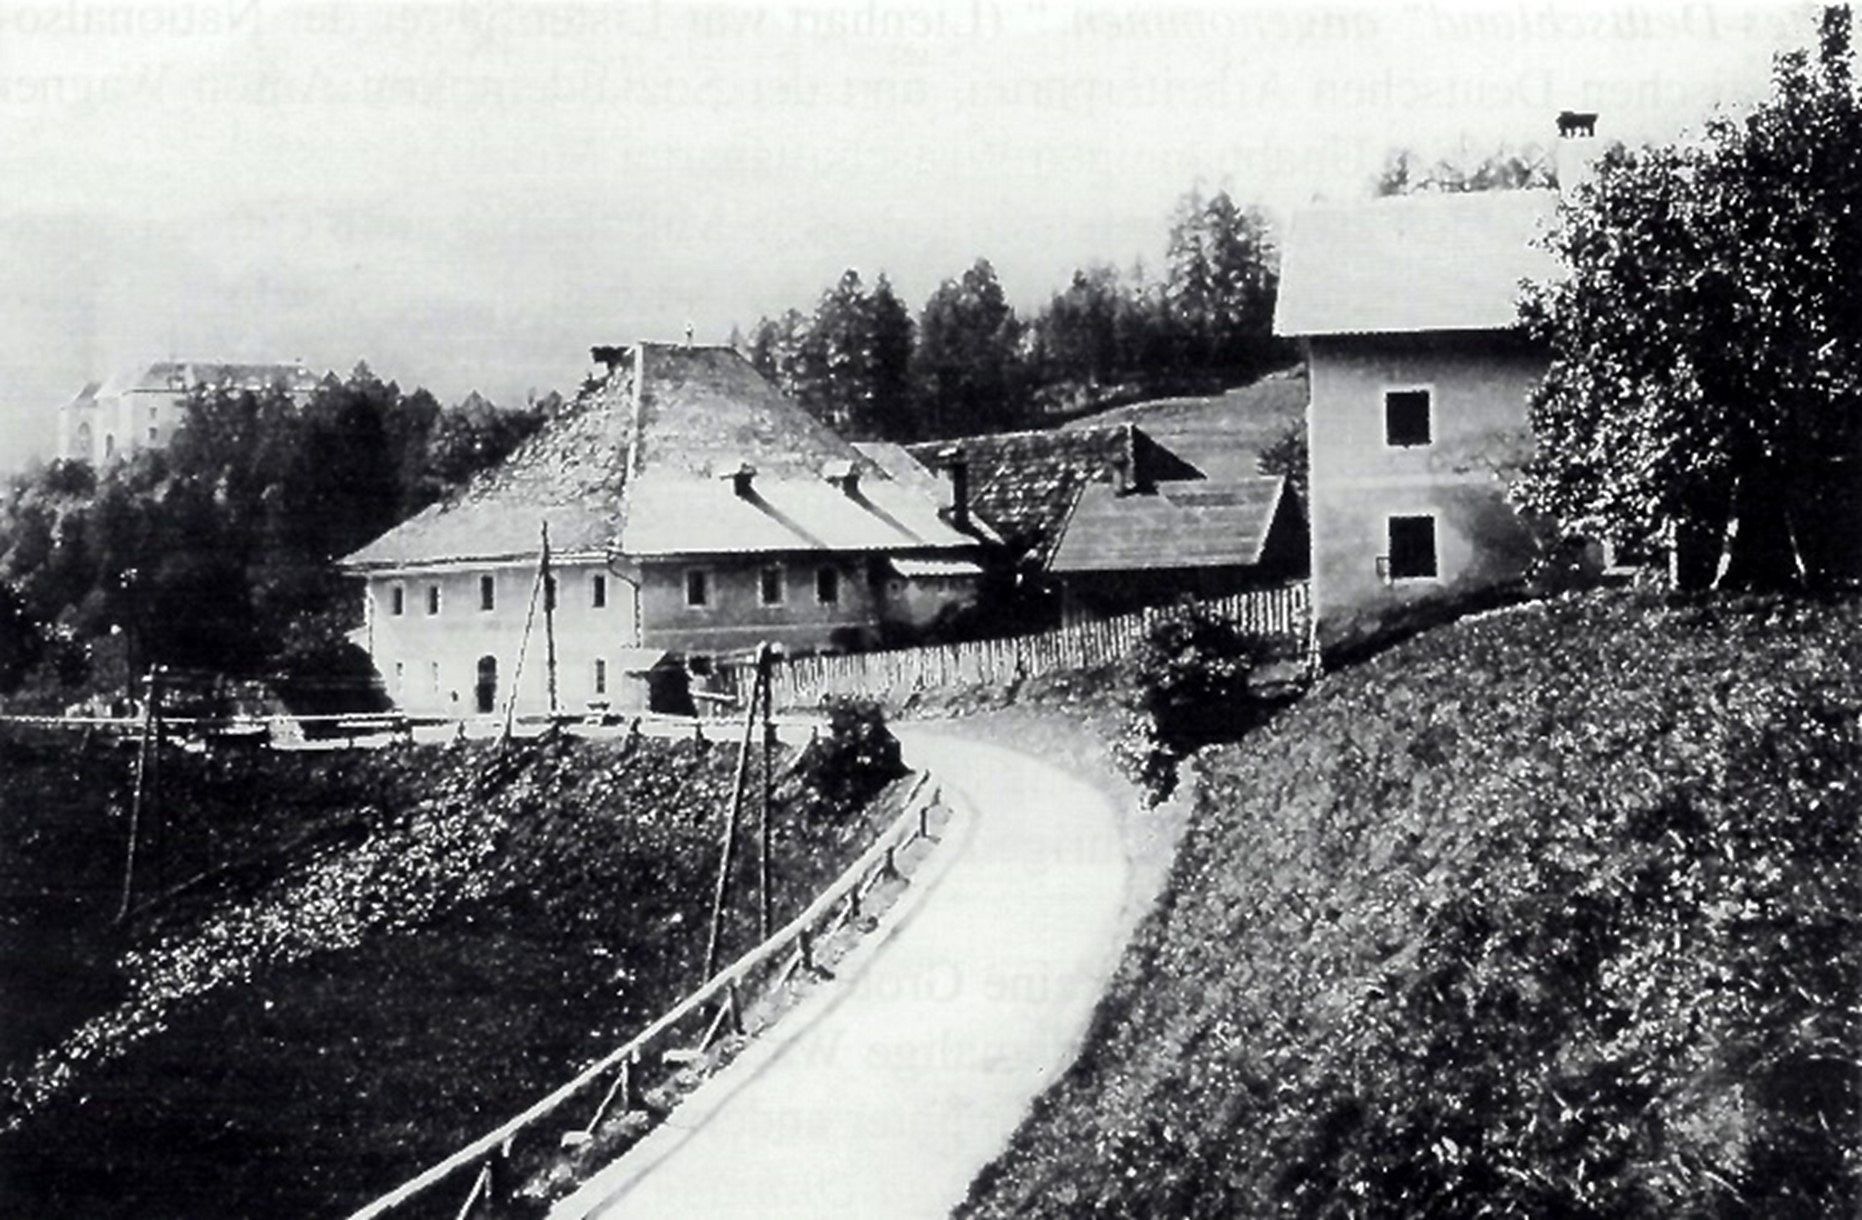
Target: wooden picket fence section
(1283, 614)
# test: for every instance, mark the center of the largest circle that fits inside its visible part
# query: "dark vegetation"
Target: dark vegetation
(1193, 683)
(214, 554)
(1553, 911)
(969, 364)
(1706, 363)
(390, 954)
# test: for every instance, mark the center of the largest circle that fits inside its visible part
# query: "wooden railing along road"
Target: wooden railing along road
(487, 1160)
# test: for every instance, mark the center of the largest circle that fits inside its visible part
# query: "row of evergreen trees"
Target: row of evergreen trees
(215, 553)
(968, 363)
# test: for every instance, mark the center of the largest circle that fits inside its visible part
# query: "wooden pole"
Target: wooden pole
(549, 616)
(765, 662)
(730, 828)
(523, 648)
(153, 689)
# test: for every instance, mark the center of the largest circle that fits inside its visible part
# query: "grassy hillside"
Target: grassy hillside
(299, 1033)
(1557, 911)
(1222, 434)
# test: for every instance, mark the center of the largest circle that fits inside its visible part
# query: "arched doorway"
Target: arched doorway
(486, 689)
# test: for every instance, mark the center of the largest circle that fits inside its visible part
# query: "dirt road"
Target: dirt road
(888, 1089)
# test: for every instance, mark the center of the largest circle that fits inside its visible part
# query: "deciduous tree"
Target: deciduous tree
(1706, 340)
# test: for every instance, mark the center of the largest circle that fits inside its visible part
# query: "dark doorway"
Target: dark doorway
(487, 687)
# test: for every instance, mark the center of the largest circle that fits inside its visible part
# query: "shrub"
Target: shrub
(846, 767)
(1190, 688)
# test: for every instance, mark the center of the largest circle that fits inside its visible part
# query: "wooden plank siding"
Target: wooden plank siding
(1283, 614)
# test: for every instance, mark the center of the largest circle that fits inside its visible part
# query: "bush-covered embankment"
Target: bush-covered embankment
(301, 1031)
(1557, 911)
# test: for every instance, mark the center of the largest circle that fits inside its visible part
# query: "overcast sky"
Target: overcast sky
(470, 194)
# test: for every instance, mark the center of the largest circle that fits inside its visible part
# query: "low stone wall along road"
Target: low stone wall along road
(887, 1091)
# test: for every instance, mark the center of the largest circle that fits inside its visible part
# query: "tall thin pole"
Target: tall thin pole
(549, 617)
(135, 805)
(764, 662)
(523, 650)
(728, 851)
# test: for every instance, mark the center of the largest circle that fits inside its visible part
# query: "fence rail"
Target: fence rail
(487, 1156)
(353, 726)
(1282, 613)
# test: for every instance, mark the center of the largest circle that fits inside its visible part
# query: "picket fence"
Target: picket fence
(1283, 614)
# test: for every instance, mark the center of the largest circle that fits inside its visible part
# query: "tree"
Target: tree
(216, 551)
(1504, 169)
(1076, 337)
(776, 350)
(855, 359)
(1221, 284)
(1706, 374)
(968, 365)
(1288, 457)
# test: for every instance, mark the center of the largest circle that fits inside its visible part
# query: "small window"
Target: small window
(397, 600)
(400, 676)
(1412, 548)
(827, 586)
(698, 588)
(598, 590)
(109, 444)
(433, 676)
(769, 585)
(433, 599)
(601, 676)
(1406, 419)
(487, 593)
(155, 434)
(154, 411)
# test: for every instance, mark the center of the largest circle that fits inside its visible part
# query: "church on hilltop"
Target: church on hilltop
(143, 409)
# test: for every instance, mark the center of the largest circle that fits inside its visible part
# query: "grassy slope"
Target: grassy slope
(382, 999)
(1552, 912)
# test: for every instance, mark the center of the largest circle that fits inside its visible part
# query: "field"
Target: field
(1554, 911)
(366, 959)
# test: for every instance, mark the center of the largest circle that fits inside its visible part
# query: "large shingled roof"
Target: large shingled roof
(1413, 263)
(1204, 524)
(648, 475)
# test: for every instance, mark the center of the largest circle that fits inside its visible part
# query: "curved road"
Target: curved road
(886, 1091)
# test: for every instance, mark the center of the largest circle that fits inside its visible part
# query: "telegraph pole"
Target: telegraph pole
(764, 661)
(549, 617)
(151, 730)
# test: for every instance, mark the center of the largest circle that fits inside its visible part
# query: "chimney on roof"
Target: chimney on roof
(956, 470)
(844, 475)
(1574, 160)
(743, 480)
(1129, 473)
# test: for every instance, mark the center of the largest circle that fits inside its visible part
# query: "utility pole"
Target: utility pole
(151, 728)
(549, 617)
(764, 661)
(728, 852)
